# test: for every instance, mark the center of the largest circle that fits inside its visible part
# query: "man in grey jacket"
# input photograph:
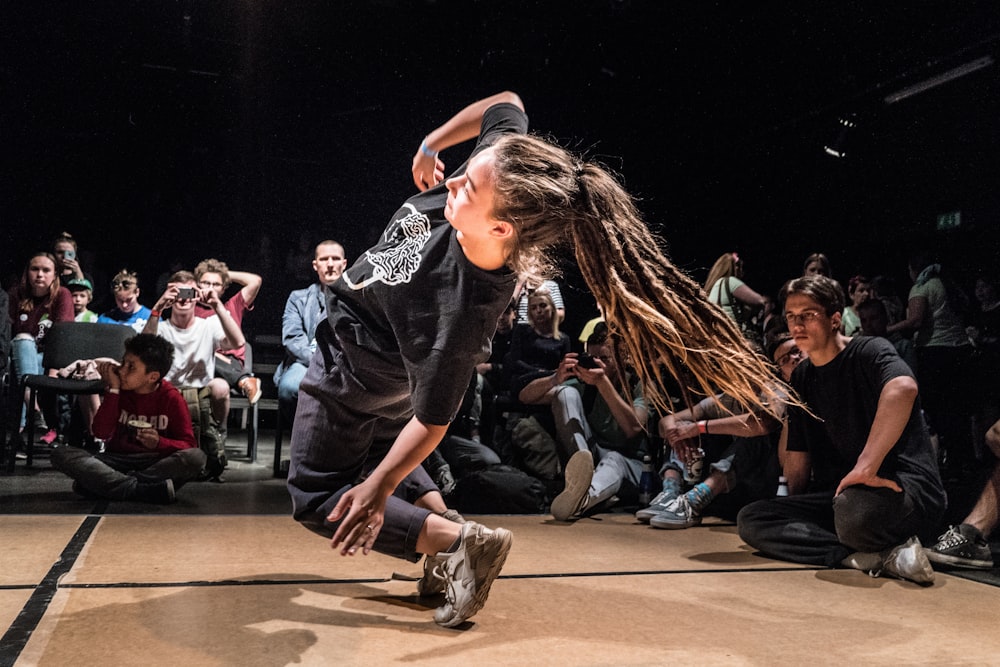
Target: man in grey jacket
(304, 310)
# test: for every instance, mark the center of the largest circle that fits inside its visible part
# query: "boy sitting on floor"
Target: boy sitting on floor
(150, 448)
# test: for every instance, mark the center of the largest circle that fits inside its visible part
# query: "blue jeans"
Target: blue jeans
(288, 385)
(27, 361)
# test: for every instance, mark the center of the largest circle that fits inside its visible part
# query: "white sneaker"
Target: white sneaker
(468, 572)
(578, 474)
(908, 561)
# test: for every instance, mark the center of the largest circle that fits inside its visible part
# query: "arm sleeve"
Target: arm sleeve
(62, 309)
(105, 424)
(294, 336)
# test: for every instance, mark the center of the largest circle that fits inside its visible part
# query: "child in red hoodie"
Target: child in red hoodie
(150, 449)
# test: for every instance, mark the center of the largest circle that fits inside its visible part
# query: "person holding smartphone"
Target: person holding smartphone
(195, 340)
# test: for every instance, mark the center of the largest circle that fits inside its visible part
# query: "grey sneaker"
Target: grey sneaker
(573, 500)
(962, 546)
(657, 505)
(431, 583)
(468, 572)
(907, 561)
(678, 514)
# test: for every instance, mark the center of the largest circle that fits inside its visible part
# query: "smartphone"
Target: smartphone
(186, 293)
(586, 361)
(69, 254)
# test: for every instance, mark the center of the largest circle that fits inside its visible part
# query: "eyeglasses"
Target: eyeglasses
(122, 284)
(205, 283)
(795, 353)
(804, 317)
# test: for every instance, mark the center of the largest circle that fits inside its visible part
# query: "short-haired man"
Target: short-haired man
(862, 476)
(149, 443)
(304, 310)
(195, 340)
(230, 365)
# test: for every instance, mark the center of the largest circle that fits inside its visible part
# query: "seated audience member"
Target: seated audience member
(591, 324)
(817, 264)
(884, 289)
(875, 322)
(859, 290)
(304, 310)
(127, 310)
(65, 250)
(744, 468)
(595, 423)
(195, 340)
(862, 474)
(230, 365)
(83, 294)
(537, 348)
(34, 304)
(966, 545)
(528, 286)
(150, 450)
(725, 287)
(493, 388)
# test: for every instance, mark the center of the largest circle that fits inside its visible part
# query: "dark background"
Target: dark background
(165, 131)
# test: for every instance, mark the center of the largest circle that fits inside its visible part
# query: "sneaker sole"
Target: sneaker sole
(505, 539)
(673, 525)
(579, 467)
(957, 561)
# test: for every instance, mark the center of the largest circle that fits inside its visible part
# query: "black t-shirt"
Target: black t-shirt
(844, 395)
(413, 314)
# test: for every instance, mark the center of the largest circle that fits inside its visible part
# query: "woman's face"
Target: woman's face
(469, 207)
(985, 292)
(862, 292)
(539, 311)
(814, 268)
(41, 274)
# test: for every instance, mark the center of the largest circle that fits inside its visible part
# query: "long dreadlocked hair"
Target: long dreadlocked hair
(660, 316)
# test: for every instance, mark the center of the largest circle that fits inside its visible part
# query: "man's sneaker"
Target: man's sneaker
(657, 505)
(468, 572)
(678, 514)
(250, 386)
(573, 500)
(962, 546)
(907, 561)
(159, 493)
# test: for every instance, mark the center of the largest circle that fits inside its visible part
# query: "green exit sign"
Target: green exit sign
(950, 220)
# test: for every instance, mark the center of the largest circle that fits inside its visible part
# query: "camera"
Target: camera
(186, 293)
(586, 361)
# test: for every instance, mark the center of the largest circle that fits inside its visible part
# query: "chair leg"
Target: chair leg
(252, 434)
(29, 428)
(277, 442)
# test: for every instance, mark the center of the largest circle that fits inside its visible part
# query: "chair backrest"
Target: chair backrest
(66, 342)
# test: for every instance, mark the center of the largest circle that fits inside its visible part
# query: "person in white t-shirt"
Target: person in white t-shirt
(195, 339)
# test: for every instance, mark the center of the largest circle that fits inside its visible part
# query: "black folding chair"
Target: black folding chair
(65, 343)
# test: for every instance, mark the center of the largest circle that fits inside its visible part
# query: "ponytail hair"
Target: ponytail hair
(659, 316)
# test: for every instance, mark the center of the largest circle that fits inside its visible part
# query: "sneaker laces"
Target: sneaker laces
(953, 537)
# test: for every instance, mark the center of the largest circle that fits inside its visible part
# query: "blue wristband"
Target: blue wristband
(425, 149)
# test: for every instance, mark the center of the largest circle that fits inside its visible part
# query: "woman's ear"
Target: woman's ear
(502, 230)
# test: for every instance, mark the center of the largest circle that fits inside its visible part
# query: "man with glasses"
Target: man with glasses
(862, 475)
(230, 365)
(195, 340)
(741, 459)
(127, 310)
